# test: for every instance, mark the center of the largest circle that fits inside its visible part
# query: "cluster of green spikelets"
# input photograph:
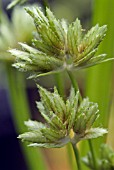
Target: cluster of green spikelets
(58, 45)
(106, 160)
(65, 121)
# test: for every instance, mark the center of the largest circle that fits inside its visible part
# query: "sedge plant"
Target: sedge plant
(58, 46)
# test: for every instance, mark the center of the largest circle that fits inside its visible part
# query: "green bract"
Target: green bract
(58, 45)
(106, 160)
(64, 121)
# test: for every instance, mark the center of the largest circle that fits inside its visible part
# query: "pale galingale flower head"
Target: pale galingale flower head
(58, 45)
(65, 121)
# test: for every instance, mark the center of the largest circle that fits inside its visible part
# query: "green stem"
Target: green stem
(93, 154)
(77, 157)
(75, 85)
(60, 83)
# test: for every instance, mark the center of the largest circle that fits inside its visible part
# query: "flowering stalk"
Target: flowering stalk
(59, 46)
(65, 121)
(77, 156)
(75, 85)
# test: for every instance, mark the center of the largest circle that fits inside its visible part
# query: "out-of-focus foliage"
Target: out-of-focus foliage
(106, 160)
(99, 85)
(72, 9)
(15, 2)
(20, 28)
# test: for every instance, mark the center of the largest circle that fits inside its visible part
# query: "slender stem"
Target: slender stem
(60, 83)
(70, 155)
(75, 85)
(77, 157)
(93, 154)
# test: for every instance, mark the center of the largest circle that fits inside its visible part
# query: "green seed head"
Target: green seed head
(58, 46)
(64, 121)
